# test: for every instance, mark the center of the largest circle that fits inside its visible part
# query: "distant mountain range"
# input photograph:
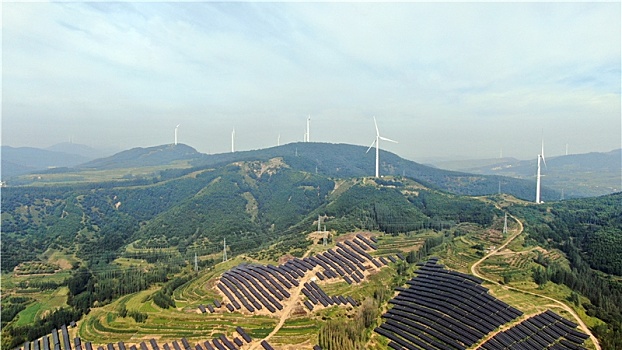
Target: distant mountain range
(577, 175)
(23, 160)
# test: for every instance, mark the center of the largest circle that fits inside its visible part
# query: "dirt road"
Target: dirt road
(475, 272)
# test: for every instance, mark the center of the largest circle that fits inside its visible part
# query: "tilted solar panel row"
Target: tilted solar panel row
(415, 336)
(440, 326)
(221, 342)
(466, 334)
(545, 330)
(498, 316)
(444, 309)
(264, 290)
(419, 328)
(264, 282)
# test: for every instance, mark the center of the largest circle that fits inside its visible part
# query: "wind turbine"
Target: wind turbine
(540, 158)
(377, 141)
(308, 134)
(177, 127)
(233, 140)
(278, 140)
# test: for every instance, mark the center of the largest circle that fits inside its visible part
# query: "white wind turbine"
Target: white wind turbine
(307, 134)
(540, 157)
(177, 127)
(377, 141)
(233, 140)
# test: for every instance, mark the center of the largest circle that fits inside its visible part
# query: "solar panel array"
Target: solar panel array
(258, 287)
(316, 295)
(64, 343)
(443, 309)
(546, 330)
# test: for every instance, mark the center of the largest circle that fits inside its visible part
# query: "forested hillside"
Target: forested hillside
(345, 161)
(589, 232)
(331, 160)
(251, 203)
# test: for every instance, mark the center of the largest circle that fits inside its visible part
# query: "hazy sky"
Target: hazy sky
(452, 79)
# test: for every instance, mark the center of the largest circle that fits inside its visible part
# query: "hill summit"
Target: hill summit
(141, 157)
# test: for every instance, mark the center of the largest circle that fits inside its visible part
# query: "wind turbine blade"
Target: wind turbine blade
(542, 153)
(386, 139)
(372, 145)
(376, 125)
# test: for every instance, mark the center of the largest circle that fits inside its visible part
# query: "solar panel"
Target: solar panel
(46, 342)
(266, 346)
(66, 339)
(218, 344)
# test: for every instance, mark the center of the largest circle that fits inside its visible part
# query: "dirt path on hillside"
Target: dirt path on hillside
(475, 272)
(287, 309)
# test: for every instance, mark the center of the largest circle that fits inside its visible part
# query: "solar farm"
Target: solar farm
(444, 309)
(436, 309)
(263, 288)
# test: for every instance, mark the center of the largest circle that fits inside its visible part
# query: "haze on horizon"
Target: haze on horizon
(445, 80)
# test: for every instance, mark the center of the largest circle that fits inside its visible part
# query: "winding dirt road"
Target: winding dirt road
(287, 309)
(475, 272)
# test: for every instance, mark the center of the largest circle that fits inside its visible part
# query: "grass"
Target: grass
(86, 176)
(45, 301)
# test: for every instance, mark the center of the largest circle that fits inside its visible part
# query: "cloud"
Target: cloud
(453, 68)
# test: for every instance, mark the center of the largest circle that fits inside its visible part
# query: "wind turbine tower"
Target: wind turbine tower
(308, 130)
(566, 148)
(540, 160)
(177, 127)
(377, 141)
(233, 140)
(196, 262)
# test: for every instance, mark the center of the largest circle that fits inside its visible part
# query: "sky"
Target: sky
(445, 80)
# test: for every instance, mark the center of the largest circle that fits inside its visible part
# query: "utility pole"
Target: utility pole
(505, 224)
(325, 236)
(224, 249)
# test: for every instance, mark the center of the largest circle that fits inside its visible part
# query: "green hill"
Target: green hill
(141, 157)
